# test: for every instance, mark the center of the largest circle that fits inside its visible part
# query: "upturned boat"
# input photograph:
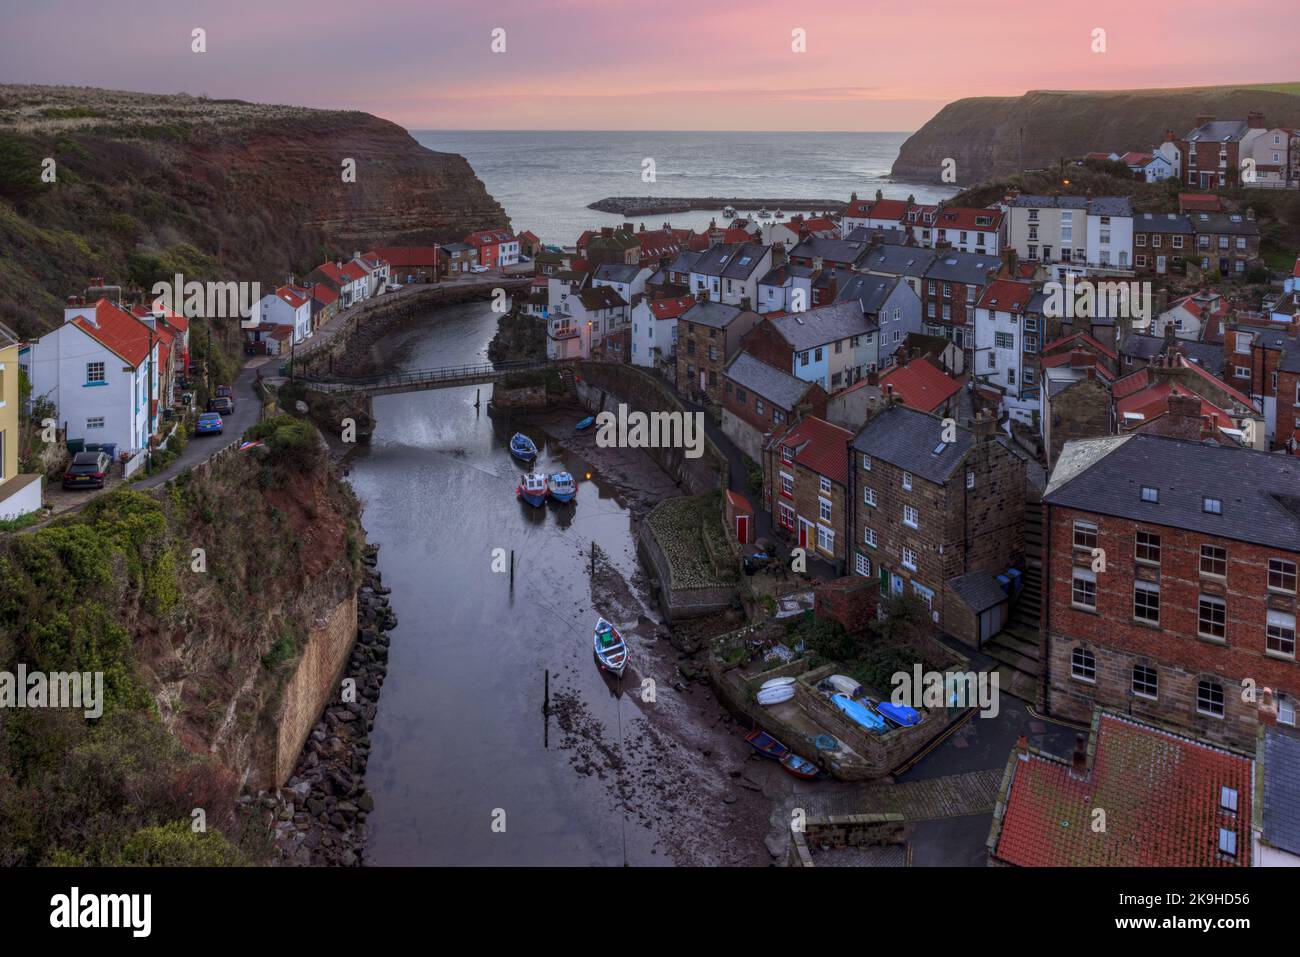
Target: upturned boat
(611, 651)
(858, 713)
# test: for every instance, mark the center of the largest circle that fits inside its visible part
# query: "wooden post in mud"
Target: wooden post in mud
(546, 708)
(476, 392)
(512, 568)
(593, 559)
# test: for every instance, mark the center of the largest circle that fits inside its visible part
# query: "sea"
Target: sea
(545, 179)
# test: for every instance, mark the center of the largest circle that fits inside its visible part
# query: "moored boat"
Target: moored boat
(611, 651)
(858, 713)
(532, 488)
(800, 767)
(763, 213)
(728, 212)
(766, 745)
(779, 214)
(561, 487)
(899, 714)
(585, 423)
(523, 448)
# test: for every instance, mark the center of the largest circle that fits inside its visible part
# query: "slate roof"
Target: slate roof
(780, 388)
(869, 292)
(617, 272)
(1097, 206)
(733, 260)
(780, 275)
(829, 250)
(1290, 348)
(1219, 131)
(1162, 792)
(816, 327)
(899, 260)
(909, 439)
(979, 590)
(1162, 223)
(1259, 491)
(713, 314)
(685, 261)
(601, 297)
(971, 268)
(889, 235)
(1229, 223)
(1208, 355)
(1281, 804)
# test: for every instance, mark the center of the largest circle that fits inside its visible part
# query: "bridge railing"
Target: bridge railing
(417, 377)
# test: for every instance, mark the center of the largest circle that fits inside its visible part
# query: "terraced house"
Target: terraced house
(930, 503)
(708, 333)
(804, 485)
(1171, 569)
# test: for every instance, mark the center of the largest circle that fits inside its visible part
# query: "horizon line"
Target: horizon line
(508, 129)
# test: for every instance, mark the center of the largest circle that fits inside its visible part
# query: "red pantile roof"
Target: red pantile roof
(1154, 400)
(1084, 338)
(1198, 202)
(1161, 794)
(1006, 295)
(968, 217)
(920, 385)
(295, 297)
(118, 331)
(671, 308)
(820, 446)
(324, 294)
(489, 237)
(1063, 359)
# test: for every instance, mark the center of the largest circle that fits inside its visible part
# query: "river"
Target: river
(465, 767)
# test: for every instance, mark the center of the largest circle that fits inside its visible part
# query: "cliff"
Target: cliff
(148, 185)
(996, 136)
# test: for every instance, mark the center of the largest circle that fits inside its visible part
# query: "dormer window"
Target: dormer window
(1150, 494)
(1212, 506)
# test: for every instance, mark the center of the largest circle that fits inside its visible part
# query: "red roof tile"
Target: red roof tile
(820, 446)
(968, 217)
(1006, 295)
(920, 385)
(117, 331)
(1160, 792)
(671, 308)
(1084, 338)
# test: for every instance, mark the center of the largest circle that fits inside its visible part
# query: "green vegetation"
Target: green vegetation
(292, 441)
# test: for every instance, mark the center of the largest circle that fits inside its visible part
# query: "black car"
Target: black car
(88, 470)
(223, 404)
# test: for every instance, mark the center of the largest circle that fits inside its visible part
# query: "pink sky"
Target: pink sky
(606, 64)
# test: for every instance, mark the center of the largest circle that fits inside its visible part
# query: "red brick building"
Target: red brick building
(1171, 571)
(804, 484)
(759, 399)
(1275, 382)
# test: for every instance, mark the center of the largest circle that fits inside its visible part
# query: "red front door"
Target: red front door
(742, 529)
(805, 534)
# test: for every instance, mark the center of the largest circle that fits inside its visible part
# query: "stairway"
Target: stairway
(1018, 647)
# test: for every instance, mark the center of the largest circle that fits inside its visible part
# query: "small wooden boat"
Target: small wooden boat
(898, 714)
(611, 652)
(779, 215)
(532, 488)
(522, 448)
(845, 685)
(561, 488)
(763, 213)
(766, 745)
(858, 713)
(728, 212)
(800, 767)
(775, 695)
(585, 423)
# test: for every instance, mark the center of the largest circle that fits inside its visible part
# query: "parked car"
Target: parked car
(226, 392)
(478, 268)
(223, 404)
(88, 470)
(209, 423)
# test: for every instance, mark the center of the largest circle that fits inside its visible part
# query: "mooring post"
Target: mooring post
(512, 568)
(476, 392)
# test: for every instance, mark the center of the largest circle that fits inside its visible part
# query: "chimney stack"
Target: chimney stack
(1202, 119)
(1255, 120)
(1079, 763)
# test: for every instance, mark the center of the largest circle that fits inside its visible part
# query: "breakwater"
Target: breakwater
(654, 205)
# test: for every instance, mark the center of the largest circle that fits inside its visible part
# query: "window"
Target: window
(787, 455)
(1004, 340)
(866, 462)
(825, 485)
(94, 372)
(787, 485)
(1212, 506)
(1146, 602)
(1146, 547)
(1209, 698)
(869, 536)
(869, 496)
(862, 565)
(825, 539)
(1281, 633)
(1083, 664)
(1214, 561)
(96, 422)
(1145, 681)
(824, 509)
(1150, 494)
(1285, 710)
(1085, 535)
(1228, 841)
(911, 516)
(1281, 574)
(970, 479)
(1011, 376)
(741, 395)
(907, 486)
(1212, 618)
(909, 559)
(758, 405)
(1083, 589)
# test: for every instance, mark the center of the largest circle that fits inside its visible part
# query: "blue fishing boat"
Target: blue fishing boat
(898, 714)
(586, 423)
(858, 712)
(532, 489)
(522, 448)
(766, 745)
(611, 651)
(800, 767)
(561, 487)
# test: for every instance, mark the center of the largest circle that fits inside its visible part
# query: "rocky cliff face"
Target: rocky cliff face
(146, 186)
(991, 137)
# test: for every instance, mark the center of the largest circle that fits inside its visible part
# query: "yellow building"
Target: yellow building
(19, 494)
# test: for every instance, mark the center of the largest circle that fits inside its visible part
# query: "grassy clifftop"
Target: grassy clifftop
(996, 136)
(147, 186)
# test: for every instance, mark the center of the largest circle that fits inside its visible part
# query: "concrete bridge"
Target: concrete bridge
(420, 380)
